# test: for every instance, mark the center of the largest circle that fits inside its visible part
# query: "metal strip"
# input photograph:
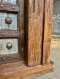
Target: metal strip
(9, 7)
(8, 33)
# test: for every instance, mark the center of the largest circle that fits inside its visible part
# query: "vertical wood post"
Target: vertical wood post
(33, 29)
(47, 31)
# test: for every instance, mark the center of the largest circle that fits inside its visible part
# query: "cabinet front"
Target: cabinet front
(11, 30)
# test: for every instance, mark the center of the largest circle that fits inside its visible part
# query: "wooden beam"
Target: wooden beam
(34, 29)
(47, 31)
(19, 70)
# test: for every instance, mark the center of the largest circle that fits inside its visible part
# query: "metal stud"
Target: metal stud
(8, 20)
(9, 45)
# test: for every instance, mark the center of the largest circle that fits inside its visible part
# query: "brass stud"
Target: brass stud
(8, 20)
(9, 45)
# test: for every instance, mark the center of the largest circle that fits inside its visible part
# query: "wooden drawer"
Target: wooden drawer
(4, 46)
(10, 17)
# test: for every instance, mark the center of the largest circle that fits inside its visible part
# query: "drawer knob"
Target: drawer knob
(9, 45)
(8, 20)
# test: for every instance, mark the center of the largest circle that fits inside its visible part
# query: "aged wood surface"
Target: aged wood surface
(47, 30)
(34, 27)
(32, 35)
(19, 70)
(9, 7)
(9, 34)
(21, 27)
(11, 31)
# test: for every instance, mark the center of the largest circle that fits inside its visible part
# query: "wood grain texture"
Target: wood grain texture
(9, 34)
(19, 70)
(13, 33)
(9, 8)
(21, 26)
(34, 26)
(47, 30)
(31, 19)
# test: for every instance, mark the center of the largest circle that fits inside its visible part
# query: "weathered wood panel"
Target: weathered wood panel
(34, 26)
(21, 26)
(47, 31)
(19, 70)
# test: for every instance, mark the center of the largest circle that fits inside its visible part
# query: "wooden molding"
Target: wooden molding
(17, 71)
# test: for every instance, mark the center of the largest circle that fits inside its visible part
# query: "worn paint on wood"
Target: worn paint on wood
(5, 50)
(33, 42)
(13, 17)
(13, 32)
(8, 1)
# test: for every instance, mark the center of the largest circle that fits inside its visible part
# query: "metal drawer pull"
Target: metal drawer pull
(8, 20)
(9, 45)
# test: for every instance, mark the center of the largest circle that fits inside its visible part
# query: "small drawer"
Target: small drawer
(8, 46)
(8, 21)
(9, 1)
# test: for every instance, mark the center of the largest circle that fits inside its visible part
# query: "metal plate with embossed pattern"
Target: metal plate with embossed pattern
(9, 1)
(4, 25)
(4, 49)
